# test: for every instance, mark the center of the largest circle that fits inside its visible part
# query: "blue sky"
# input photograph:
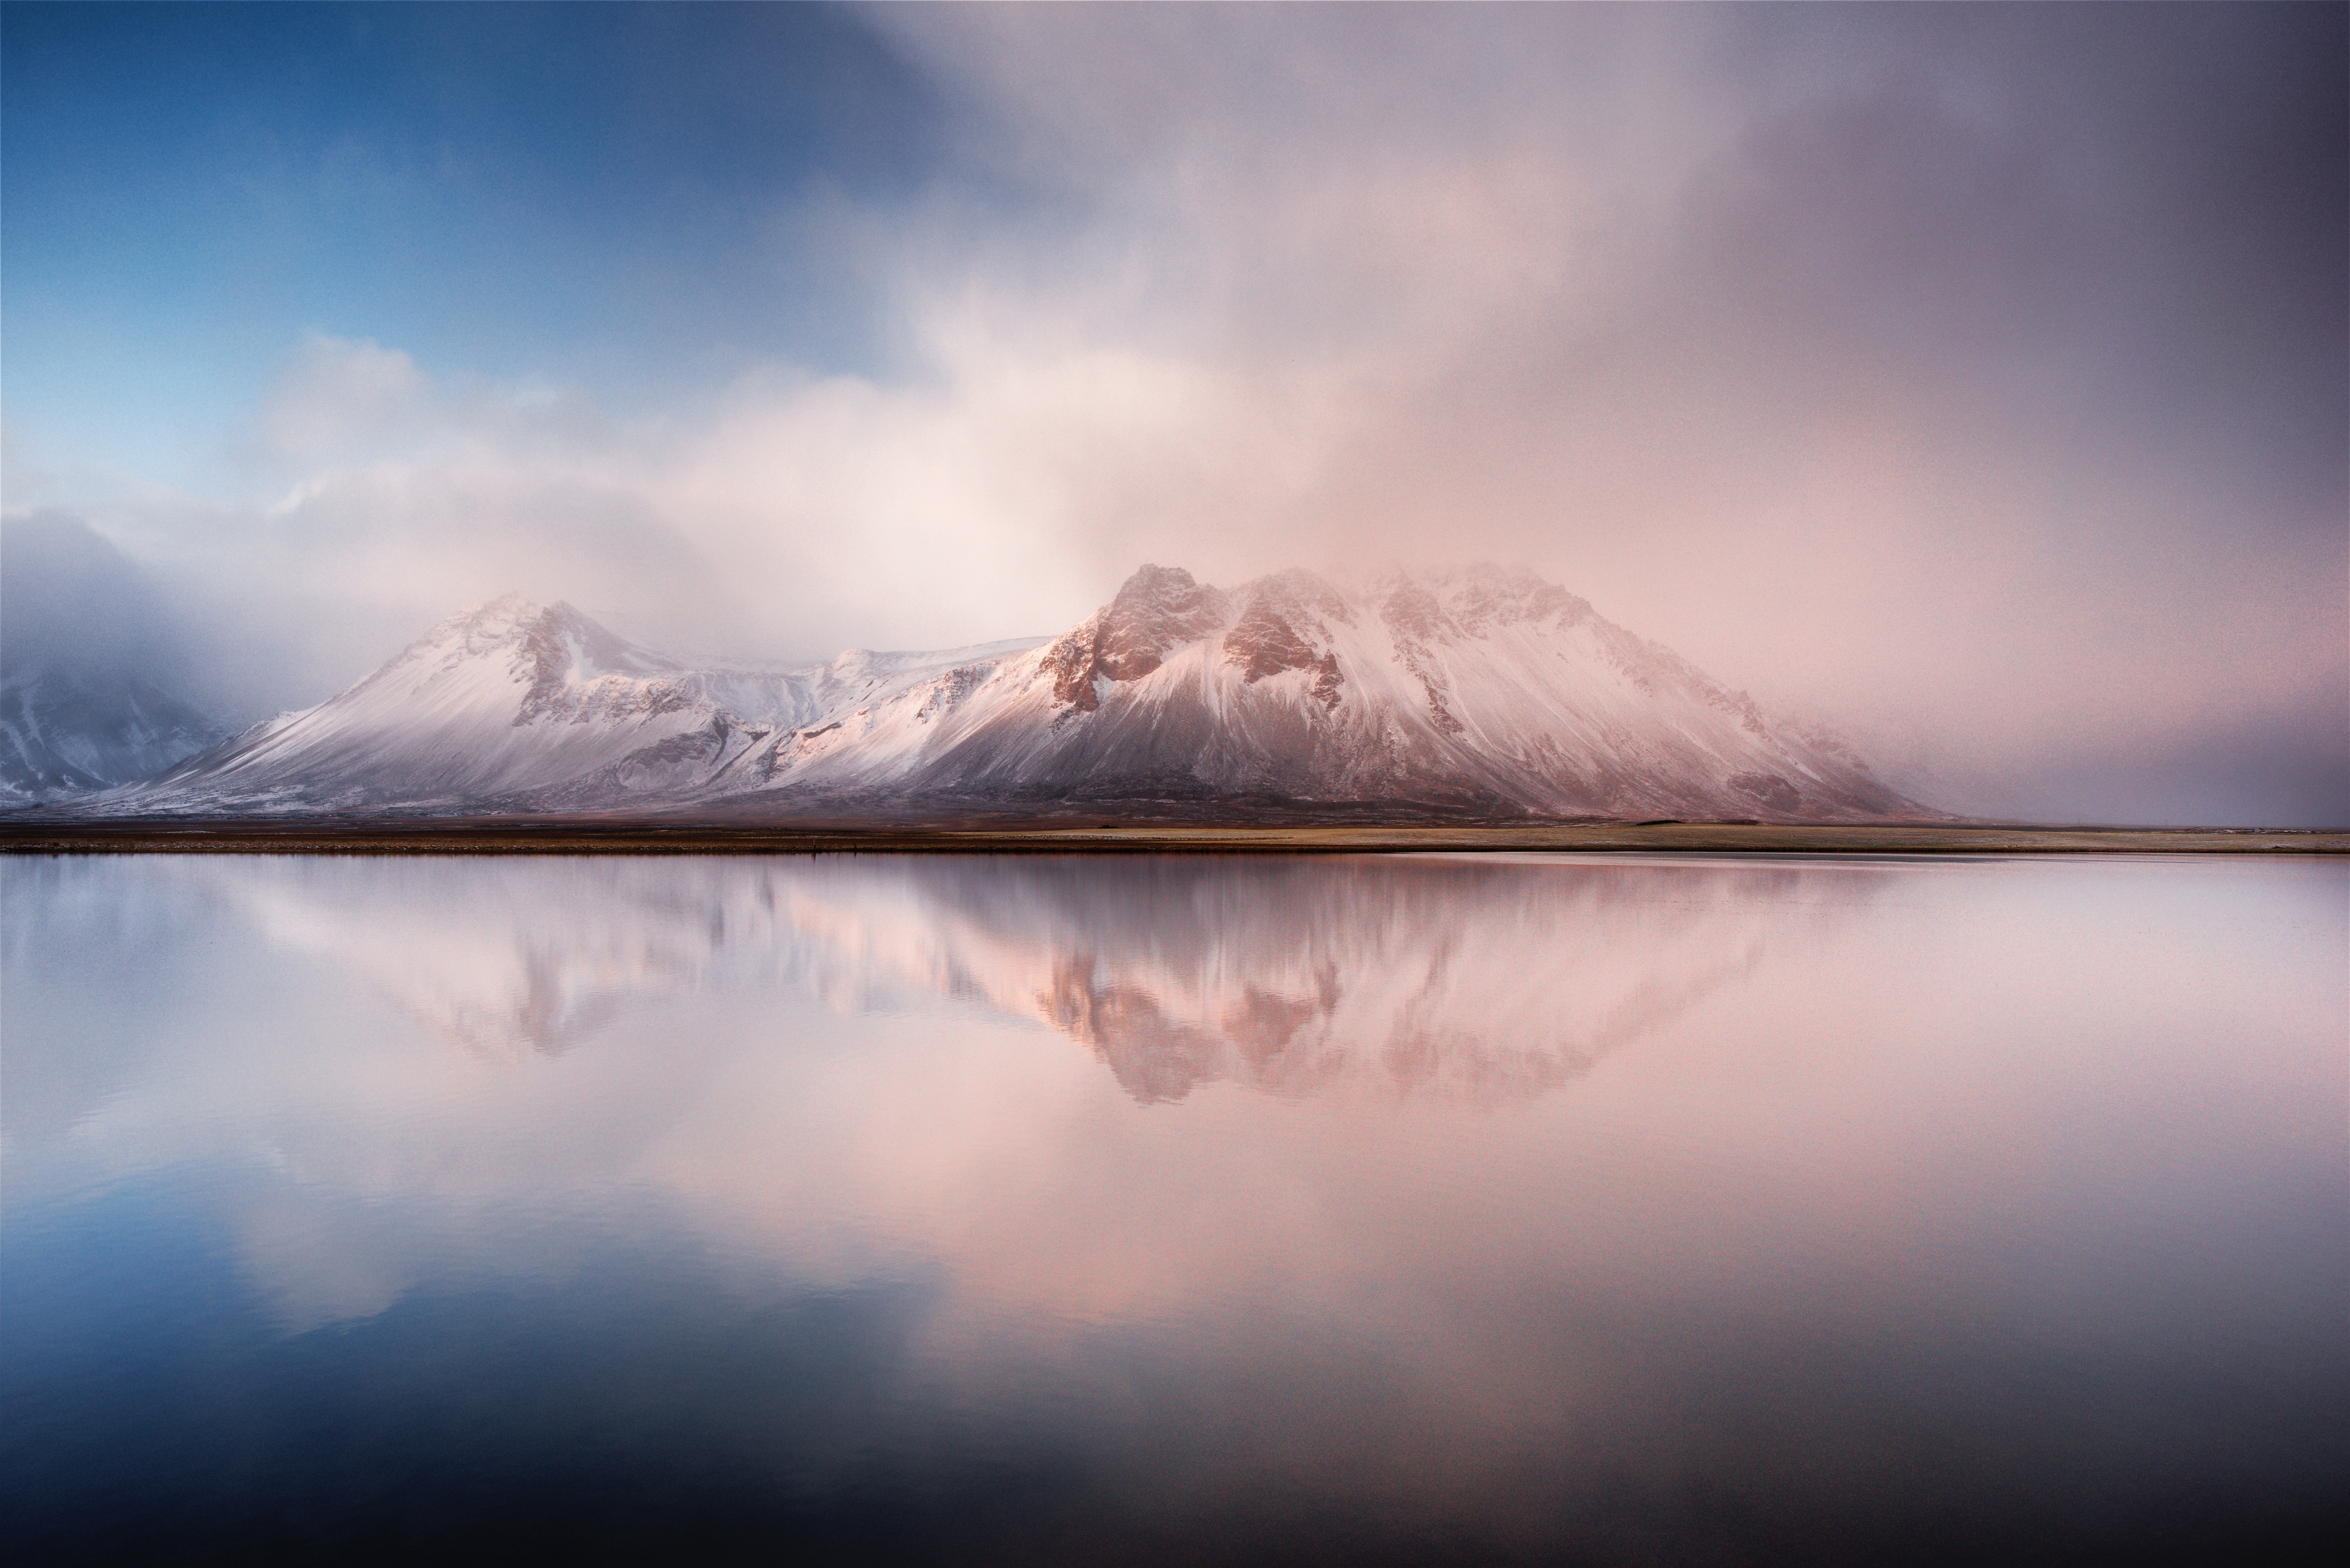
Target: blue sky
(626, 198)
(1971, 377)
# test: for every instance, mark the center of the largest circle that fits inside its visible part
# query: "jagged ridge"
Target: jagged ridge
(1482, 686)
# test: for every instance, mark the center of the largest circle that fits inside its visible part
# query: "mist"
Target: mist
(1970, 379)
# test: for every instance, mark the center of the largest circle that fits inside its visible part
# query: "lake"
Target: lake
(1218, 1208)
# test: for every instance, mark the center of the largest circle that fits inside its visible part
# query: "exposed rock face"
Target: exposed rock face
(1285, 626)
(1263, 643)
(558, 642)
(1415, 620)
(1161, 607)
(1491, 597)
(1327, 680)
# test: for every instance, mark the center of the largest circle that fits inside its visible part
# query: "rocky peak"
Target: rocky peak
(1286, 627)
(1486, 595)
(1414, 615)
(1265, 641)
(557, 649)
(1298, 592)
(597, 646)
(547, 636)
(1158, 609)
(501, 622)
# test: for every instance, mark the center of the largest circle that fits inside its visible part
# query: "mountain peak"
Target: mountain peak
(508, 614)
(560, 643)
(1156, 610)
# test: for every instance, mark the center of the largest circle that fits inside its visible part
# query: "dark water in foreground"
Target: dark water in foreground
(1201, 1210)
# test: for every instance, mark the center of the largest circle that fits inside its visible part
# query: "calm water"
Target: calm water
(1555, 1208)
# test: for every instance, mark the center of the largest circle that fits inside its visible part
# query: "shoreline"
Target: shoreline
(593, 837)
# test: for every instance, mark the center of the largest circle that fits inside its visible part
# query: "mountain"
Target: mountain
(67, 732)
(95, 684)
(513, 704)
(1480, 690)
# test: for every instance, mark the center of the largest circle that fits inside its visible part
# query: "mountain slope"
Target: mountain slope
(66, 732)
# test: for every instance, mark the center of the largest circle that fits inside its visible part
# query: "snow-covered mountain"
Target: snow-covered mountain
(513, 704)
(65, 732)
(1483, 689)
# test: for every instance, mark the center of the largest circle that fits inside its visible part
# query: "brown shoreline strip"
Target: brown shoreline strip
(576, 837)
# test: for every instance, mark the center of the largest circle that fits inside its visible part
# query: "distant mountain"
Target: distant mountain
(95, 677)
(1480, 690)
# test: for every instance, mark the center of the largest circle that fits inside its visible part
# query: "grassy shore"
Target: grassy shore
(578, 836)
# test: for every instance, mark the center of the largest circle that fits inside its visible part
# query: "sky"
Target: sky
(1975, 378)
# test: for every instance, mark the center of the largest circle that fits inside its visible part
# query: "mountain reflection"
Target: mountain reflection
(1482, 980)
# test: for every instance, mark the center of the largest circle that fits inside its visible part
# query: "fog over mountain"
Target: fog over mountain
(1971, 379)
(98, 683)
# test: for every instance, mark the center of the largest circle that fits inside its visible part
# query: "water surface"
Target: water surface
(1014, 1208)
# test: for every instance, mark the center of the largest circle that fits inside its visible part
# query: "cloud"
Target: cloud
(1977, 376)
(1971, 377)
(337, 397)
(791, 516)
